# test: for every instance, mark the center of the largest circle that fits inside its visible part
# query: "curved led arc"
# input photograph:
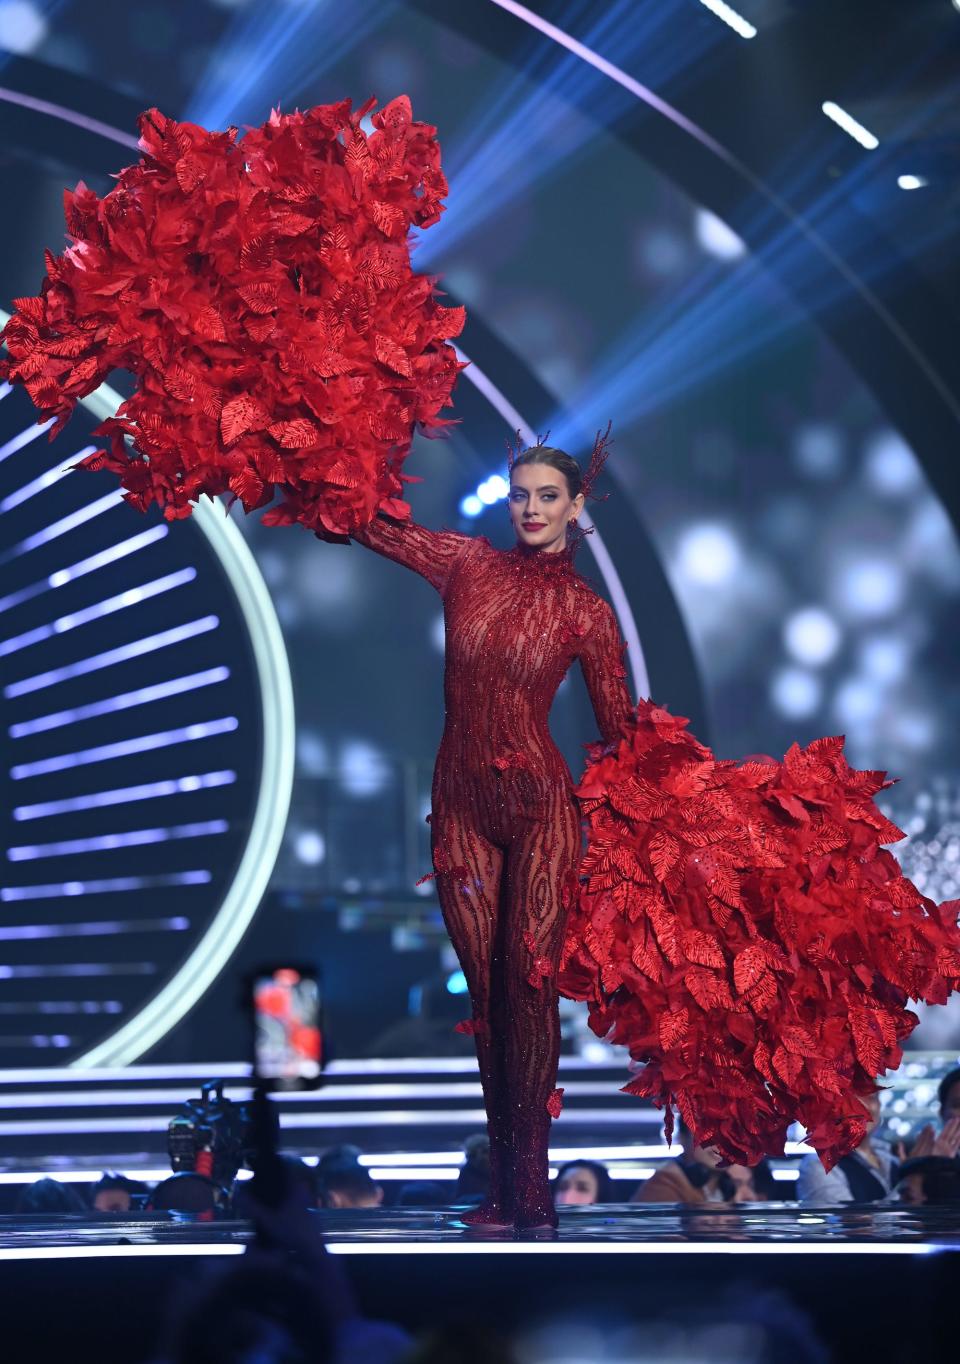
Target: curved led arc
(215, 948)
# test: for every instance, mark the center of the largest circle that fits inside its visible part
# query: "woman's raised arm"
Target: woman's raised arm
(601, 659)
(431, 553)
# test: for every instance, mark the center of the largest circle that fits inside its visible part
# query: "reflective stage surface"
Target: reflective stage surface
(754, 1228)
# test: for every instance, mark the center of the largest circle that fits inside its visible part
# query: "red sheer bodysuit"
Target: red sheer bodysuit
(505, 824)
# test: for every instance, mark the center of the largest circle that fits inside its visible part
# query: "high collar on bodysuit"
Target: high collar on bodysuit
(542, 563)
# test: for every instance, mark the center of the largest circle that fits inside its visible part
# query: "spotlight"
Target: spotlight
(309, 847)
(717, 238)
(795, 693)
(811, 635)
(742, 27)
(457, 983)
(911, 181)
(708, 553)
(493, 489)
(850, 125)
(22, 26)
(870, 586)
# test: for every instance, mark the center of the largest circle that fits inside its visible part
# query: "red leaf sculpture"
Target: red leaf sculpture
(748, 938)
(260, 290)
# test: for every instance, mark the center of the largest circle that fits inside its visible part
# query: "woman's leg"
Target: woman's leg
(469, 873)
(540, 878)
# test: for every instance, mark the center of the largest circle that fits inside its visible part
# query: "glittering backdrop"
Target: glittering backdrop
(814, 567)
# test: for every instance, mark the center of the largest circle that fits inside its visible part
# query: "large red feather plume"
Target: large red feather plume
(261, 292)
(743, 932)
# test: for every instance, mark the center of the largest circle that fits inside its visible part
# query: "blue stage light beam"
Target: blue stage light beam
(619, 389)
(273, 52)
(523, 134)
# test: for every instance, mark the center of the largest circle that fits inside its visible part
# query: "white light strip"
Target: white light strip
(850, 125)
(82, 1176)
(742, 27)
(158, 691)
(45, 480)
(435, 1173)
(42, 480)
(533, 1247)
(123, 748)
(79, 968)
(659, 1246)
(122, 795)
(400, 1065)
(93, 929)
(66, 524)
(131, 596)
(358, 1118)
(134, 838)
(136, 648)
(61, 576)
(113, 1252)
(23, 438)
(107, 885)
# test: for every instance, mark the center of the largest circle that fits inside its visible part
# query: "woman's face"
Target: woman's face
(541, 507)
(578, 1185)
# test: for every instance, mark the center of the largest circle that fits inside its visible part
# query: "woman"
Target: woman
(505, 825)
(581, 1183)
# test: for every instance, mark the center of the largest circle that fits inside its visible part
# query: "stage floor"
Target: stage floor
(865, 1283)
(753, 1228)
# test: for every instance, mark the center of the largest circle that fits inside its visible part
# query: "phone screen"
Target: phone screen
(287, 1032)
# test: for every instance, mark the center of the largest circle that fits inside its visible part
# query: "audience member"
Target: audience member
(303, 1185)
(692, 1177)
(115, 1193)
(349, 1186)
(948, 1095)
(423, 1193)
(287, 1300)
(473, 1180)
(581, 1182)
(930, 1170)
(866, 1175)
(49, 1196)
(191, 1195)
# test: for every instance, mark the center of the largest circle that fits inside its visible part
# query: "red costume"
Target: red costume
(505, 827)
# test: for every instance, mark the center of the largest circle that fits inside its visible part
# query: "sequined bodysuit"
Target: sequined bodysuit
(505, 827)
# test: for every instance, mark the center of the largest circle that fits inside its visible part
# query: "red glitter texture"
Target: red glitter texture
(261, 292)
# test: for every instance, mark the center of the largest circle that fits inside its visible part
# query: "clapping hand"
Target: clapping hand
(929, 1143)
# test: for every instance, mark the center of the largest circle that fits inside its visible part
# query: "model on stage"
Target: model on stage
(505, 824)
(738, 927)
